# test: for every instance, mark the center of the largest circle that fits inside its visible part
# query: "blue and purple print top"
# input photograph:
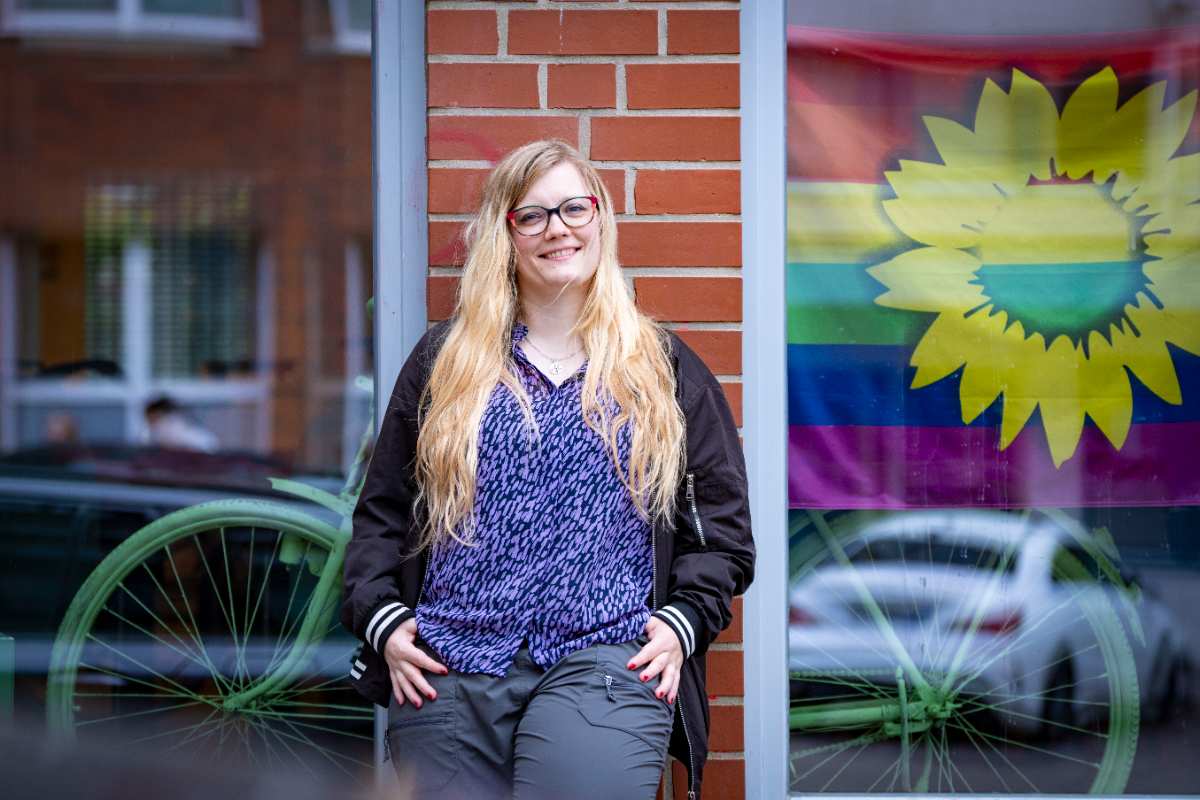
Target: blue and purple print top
(561, 557)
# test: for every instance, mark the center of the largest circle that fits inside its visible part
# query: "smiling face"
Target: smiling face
(559, 257)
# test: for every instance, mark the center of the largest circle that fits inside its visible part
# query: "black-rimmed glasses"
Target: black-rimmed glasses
(575, 212)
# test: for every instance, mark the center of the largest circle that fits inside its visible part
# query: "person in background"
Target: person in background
(168, 425)
(554, 522)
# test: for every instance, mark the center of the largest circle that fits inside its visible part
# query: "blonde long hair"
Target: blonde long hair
(628, 361)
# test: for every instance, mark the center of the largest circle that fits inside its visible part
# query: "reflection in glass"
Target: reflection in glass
(992, 351)
(185, 385)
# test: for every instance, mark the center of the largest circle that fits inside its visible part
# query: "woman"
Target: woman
(554, 522)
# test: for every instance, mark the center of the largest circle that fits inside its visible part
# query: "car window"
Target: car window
(934, 550)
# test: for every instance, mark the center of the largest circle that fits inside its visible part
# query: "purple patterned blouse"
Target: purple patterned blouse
(561, 557)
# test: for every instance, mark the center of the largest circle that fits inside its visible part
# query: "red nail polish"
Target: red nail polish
(631, 665)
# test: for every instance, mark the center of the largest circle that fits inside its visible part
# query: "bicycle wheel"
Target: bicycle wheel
(921, 660)
(211, 632)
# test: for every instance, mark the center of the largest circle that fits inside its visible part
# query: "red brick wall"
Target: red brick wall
(649, 92)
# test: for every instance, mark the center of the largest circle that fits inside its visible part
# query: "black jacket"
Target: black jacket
(702, 558)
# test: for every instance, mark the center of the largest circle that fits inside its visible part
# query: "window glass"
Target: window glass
(67, 5)
(359, 14)
(202, 8)
(992, 397)
(185, 383)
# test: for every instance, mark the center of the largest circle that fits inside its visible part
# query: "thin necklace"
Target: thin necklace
(553, 361)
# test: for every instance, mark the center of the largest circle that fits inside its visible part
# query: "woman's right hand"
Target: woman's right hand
(405, 661)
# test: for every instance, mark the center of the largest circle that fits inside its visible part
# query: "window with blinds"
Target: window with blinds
(202, 275)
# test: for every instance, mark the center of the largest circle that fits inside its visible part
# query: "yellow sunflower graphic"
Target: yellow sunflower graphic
(1061, 252)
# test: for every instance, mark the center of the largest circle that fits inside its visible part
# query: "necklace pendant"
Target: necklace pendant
(554, 367)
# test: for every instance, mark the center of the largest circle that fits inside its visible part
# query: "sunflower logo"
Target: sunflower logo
(1061, 252)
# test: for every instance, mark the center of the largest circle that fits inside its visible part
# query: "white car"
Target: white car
(1021, 608)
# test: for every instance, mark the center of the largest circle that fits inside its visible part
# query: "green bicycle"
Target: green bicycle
(955, 652)
(213, 630)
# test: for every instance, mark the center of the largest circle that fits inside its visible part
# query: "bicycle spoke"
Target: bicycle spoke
(843, 768)
(192, 736)
(299, 736)
(144, 712)
(212, 580)
(967, 727)
(154, 638)
(194, 634)
(161, 734)
(188, 607)
(987, 760)
(146, 667)
(1027, 746)
(295, 716)
(287, 628)
(1025, 634)
(265, 580)
(239, 659)
(103, 670)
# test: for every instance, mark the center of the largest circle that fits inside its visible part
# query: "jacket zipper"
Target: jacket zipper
(691, 759)
(691, 498)
(654, 602)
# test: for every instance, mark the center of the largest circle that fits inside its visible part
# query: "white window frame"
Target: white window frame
(345, 38)
(130, 20)
(137, 386)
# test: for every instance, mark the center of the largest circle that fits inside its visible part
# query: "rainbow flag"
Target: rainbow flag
(993, 277)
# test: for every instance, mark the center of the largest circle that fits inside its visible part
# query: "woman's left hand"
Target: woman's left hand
(662, 656)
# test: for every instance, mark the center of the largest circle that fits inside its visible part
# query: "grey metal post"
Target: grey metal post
(764, 351)
(7, 677)
(401, 257)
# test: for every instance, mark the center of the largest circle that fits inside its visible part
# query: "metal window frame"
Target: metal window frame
(401, 221)
(764, 358)
(130, 20)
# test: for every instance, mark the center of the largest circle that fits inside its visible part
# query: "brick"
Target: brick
(724, 672)
(614, 180)
(690, 32)
(720, 350)
(446, 245)
(733, 634)
(582, 86)
(600, 32)
(725, 729)
(461, 32)
(679, 244)
(489, 138)
(483, 85)
(690, 299)
(455, 191)
(682, 86)
(733, 395)
(666, 138)
(723, 778)
(688, 191)
(440, 294)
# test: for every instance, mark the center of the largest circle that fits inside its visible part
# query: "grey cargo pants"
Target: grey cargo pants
(585, 728)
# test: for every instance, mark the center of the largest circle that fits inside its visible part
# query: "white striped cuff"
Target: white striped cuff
(683, 629)
(383, 621)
